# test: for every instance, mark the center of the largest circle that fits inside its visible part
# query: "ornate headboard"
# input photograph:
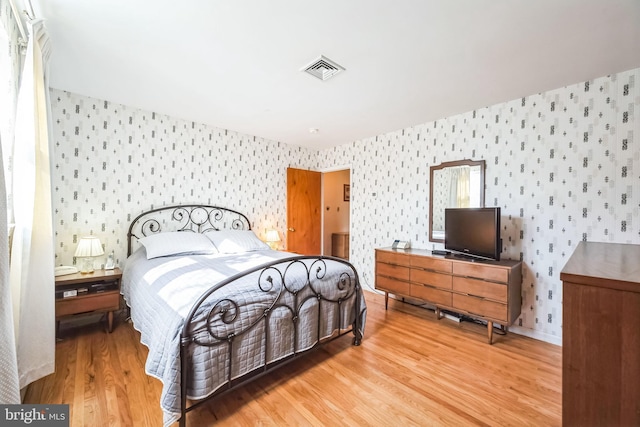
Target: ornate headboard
(194, 218)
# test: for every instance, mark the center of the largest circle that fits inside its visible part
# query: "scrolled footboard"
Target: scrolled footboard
(257, 320)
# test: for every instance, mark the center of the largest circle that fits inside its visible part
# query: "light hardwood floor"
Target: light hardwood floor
(410, 370)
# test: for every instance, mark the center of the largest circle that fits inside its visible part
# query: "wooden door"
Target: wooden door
(304, 211)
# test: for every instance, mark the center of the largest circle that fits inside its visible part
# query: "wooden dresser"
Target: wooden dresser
(601, 336)
(488, 290)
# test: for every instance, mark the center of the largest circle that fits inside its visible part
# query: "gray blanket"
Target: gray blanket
(162, 291)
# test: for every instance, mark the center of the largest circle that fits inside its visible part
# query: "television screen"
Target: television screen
(473, 231)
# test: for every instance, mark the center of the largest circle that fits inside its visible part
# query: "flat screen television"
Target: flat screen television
(473, 232)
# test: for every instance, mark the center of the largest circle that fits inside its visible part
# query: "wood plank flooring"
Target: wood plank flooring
(410, 370)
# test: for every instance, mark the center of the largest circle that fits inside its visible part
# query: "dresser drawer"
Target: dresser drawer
(392, 285)
(432, 295)
(435, 264)
(438, 280)
(485, 272)
(107, 301)
(392, 270)
(481, 307)
(393, 258)
(490, 290)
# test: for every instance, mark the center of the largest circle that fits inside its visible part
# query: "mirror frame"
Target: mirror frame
(444, 165)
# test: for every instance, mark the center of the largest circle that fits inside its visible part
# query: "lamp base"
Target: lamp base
(86, 265)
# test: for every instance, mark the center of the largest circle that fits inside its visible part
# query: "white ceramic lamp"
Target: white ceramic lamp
(89, 247)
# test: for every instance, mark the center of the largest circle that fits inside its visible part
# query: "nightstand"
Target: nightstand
(88, 293)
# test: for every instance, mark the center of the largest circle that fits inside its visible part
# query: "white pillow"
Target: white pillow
(236, 241)
(177, 243)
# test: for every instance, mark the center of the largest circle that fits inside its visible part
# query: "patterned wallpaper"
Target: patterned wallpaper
(563, 165)
(112, 162)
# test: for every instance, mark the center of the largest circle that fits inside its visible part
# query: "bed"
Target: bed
(218, 308)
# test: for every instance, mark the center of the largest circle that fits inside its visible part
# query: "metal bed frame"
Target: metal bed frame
(273, 277)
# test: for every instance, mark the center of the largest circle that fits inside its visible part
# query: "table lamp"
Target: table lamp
(272, 238)
(89, 247)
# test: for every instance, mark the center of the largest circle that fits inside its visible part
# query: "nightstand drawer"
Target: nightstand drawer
(107, 301)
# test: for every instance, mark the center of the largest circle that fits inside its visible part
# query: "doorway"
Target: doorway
(318, 212)
(336, 200)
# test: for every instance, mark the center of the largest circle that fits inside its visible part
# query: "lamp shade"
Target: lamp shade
(89, 246)
(272, 236)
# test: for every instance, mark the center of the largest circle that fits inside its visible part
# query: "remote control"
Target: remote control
(439, 252)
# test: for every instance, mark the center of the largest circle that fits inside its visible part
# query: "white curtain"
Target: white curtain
(32, 254)
(459, 187)
(9, 388)
(463, 187)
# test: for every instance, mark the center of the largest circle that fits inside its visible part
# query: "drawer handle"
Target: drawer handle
(477, 296)
(399, 279)
(484, 279)
(438, 288)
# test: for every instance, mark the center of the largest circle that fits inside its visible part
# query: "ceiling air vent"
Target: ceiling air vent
(323, 68)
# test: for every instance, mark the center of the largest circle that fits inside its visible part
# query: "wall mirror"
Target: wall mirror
(458, 184)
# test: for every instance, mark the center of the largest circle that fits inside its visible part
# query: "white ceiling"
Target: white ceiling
(235, 64)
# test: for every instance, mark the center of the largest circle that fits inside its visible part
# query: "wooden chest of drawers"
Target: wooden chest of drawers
(488, 290)
(600, 336)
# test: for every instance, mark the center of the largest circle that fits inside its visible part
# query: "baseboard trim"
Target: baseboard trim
(540, 336)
